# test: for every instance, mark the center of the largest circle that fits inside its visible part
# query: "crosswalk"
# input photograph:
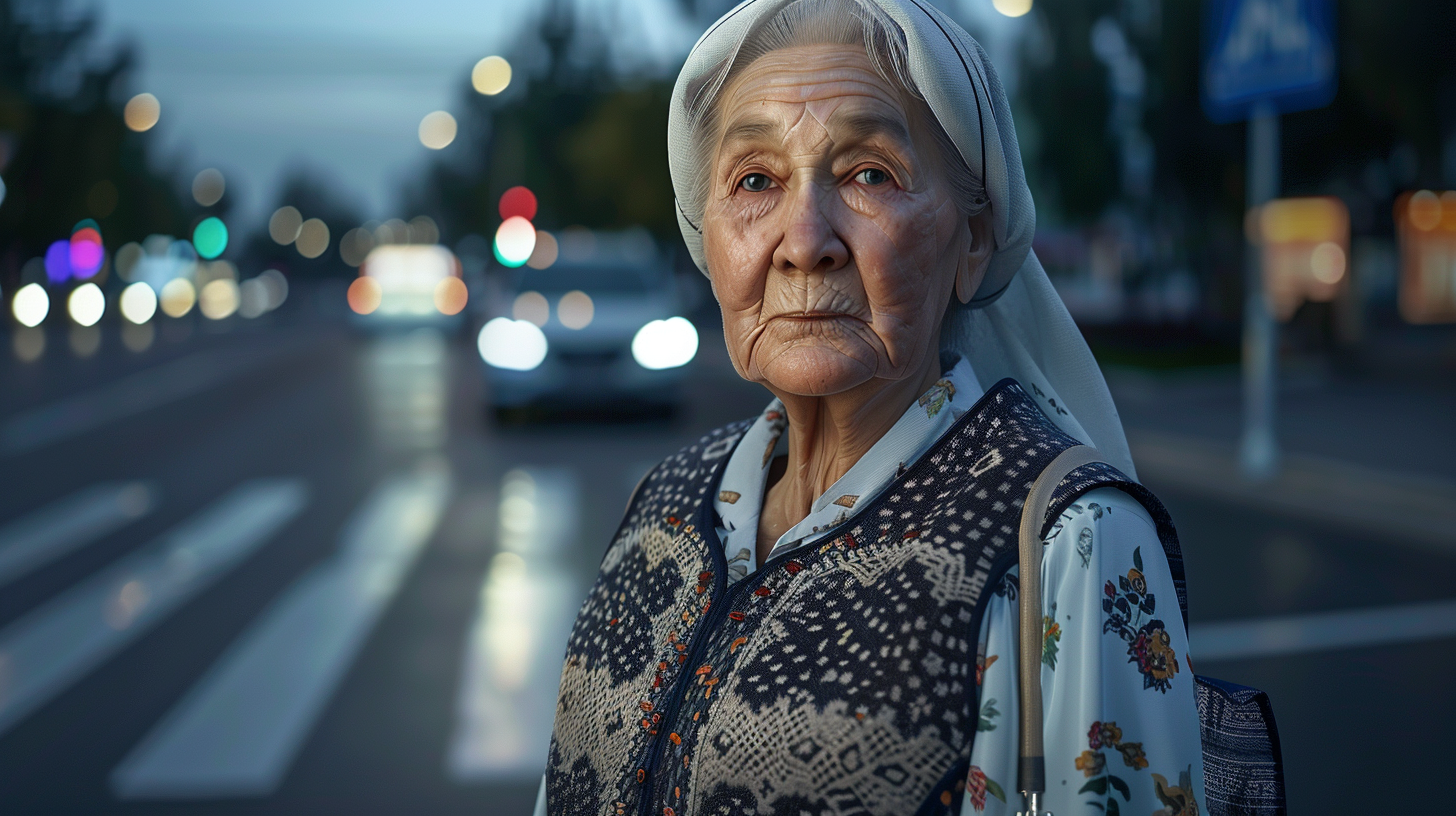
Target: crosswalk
(238, 728)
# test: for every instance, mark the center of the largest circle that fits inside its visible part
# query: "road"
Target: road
(288, 567)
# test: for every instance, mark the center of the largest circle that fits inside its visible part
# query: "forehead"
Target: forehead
(837, 82)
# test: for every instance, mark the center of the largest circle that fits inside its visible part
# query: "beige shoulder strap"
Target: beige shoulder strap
(1031, 777)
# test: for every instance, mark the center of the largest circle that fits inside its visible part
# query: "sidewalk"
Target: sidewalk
(1377, 454)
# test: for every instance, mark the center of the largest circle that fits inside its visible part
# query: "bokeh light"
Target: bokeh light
(276, 285)
(423, 230)
(451, 296)
(1012, 8)
(208, 187)
(86, 304)
(514, 241)
(437, 130)
(218, 299)
(284, 225)
(210, 237)
(1424, 210)
(58, 262)
(393, 231)
(252, 298)
(575, 310)
(313, 238)
(364, 295)
(665, 344)
(30, 305)
(178, 297)
(355, 245)
(511, 344)
(127, 259)
(518, 202)
(86, 252)
(1327, 263)
(142, 112)
(545, 252)
(531, 307)
(138, 302)
(491, 75)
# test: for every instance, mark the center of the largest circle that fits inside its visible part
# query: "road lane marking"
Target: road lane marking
(132, 394)
(1322, 631)
(44, 652)
(237, 730)
(512, 666)
(31, 542)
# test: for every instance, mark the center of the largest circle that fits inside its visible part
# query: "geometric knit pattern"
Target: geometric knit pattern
(838, 678)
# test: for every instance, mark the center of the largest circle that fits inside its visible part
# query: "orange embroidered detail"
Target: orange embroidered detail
(613, 621)
(645, 706)
(733, 647)
(704, 669)
(738, 616)
(793, 567)
(676, 740)
(761, 591)
(641, 775)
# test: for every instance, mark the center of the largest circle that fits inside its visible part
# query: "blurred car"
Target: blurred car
(587, 335)
(408, 285)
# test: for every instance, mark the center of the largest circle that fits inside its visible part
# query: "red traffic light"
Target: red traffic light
(518, 201)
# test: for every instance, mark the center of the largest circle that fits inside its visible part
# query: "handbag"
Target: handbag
(1243, 771)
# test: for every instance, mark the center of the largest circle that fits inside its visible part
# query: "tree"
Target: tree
(65, 151)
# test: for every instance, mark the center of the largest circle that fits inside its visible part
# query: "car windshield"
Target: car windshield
(614, 279)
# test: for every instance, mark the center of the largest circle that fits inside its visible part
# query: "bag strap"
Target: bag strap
(1031, 776)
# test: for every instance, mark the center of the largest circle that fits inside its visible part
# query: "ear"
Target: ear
(972, 269)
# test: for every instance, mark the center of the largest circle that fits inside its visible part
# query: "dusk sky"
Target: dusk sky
(255, 88)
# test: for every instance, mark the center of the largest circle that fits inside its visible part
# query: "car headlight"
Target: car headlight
(512, 344)
(665, 344)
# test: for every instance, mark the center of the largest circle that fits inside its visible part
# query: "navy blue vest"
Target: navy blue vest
(837, 679)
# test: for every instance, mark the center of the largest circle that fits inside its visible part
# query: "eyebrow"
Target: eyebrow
(750, 130)
(864, 124)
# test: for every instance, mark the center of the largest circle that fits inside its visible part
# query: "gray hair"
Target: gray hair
(825, 22)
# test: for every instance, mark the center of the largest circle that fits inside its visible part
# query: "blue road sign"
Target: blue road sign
(1275, 52)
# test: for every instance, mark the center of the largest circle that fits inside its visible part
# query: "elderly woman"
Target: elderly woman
(815, 611)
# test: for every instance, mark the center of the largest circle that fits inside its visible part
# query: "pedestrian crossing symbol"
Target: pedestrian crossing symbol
(1275, 53)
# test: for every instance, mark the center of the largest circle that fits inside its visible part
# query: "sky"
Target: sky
(255, 88)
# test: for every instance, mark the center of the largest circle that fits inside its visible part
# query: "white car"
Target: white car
(586, 335)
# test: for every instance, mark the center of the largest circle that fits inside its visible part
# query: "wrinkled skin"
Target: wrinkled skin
(834, 247)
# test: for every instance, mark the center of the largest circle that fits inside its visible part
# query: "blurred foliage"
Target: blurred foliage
(590, 143)
(65, 152)
(1391, 127)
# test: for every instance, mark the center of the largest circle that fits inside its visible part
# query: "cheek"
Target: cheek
(899, 241)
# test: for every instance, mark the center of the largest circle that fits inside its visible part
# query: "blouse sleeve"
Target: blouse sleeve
(1120, 717)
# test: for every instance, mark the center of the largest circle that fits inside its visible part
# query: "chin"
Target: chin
(815, 372)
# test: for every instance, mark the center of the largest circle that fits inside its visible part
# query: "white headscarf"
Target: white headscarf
(1016, 326)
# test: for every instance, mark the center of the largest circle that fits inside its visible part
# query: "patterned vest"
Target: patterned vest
(837, 679)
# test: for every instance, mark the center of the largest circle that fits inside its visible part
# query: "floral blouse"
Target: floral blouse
(1120, 719)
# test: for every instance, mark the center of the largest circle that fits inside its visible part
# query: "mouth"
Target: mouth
(808, 317)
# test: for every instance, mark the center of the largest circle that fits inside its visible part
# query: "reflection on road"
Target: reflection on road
(513, 656)
(405, 378)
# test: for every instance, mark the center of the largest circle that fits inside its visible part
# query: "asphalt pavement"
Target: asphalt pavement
(285, 566)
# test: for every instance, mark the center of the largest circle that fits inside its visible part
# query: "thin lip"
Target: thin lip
(813, 316)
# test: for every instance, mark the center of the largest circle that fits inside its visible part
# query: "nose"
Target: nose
(810, 243)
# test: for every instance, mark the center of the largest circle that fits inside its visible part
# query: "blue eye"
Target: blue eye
(872, 176)
(755, 182)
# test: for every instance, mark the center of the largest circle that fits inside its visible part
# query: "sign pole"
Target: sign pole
(1259, 448)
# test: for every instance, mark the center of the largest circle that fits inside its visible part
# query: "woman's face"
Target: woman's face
(831, 237)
